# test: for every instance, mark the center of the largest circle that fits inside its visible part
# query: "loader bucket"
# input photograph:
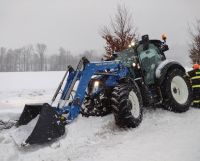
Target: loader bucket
(48, 127)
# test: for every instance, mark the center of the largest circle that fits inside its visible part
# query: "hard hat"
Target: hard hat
(195, 66)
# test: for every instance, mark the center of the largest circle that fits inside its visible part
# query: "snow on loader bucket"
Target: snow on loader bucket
(49, 125)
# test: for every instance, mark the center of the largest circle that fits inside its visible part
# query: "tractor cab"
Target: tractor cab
(143, 58)
(150, 55)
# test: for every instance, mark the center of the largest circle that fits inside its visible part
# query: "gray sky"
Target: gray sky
(75, 24)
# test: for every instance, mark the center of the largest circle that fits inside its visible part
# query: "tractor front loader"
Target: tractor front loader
(52, 120)
(137, 77)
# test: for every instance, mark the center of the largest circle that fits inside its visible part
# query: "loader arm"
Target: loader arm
(84, 76)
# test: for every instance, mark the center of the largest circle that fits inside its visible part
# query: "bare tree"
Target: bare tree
(41, 48)
(62, 58)
(2, 58)
(92, 55)
(194, 52)
(36, 62)
(121, 32)
(28, 51)
(18, 60)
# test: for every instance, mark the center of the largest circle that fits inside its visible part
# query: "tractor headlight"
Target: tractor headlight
(96, 86)
(134, 64)
(131, 44)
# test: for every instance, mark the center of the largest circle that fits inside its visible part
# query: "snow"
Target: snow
(19, 88)
(21, 133)
(162, 135)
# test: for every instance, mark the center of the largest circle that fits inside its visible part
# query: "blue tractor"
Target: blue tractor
(137, 77)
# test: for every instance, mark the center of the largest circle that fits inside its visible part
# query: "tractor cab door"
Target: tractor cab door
(149, 59)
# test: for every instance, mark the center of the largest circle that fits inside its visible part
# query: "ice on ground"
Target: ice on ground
(20, 134)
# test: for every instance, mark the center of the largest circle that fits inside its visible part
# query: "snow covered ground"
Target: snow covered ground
(162, 135)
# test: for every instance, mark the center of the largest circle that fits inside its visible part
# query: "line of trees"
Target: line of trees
(30, 58)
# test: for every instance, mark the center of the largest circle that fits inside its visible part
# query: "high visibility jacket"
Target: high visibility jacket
(195, 80)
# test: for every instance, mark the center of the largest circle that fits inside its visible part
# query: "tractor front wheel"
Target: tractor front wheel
(126, 103)
(176, 91)
(96, 107)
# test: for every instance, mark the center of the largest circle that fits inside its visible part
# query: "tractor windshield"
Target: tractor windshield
(149, 59)
(127, 57)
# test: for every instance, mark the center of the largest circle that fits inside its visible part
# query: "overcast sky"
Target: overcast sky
(75, 24)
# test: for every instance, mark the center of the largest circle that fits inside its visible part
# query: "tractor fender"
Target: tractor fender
(164, 67)
(129, 80)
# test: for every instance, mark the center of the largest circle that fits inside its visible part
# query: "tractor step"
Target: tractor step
(48, 127)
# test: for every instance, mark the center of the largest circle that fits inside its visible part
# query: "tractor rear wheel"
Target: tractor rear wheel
(176, 91)
(126, 103)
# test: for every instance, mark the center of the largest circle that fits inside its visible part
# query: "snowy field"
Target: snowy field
(162, 135)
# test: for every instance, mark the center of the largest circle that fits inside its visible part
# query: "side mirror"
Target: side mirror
(164, 47)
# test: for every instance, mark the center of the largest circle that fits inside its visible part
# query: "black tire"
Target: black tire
(176, 91)
(98, 104)
(127, 115)
(95, 107)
